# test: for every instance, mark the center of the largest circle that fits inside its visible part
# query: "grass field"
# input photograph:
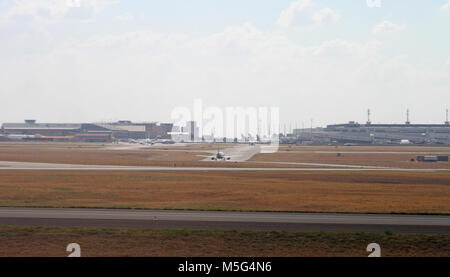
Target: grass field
(98, 154)
(109, 154)
(330, 191)
(361, 192)
(192, 154)
(384, 156)
(52, 242)
(377, 192)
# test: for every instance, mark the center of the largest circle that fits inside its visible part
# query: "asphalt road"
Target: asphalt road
(240, 153)
(226, 220)
(4, 165)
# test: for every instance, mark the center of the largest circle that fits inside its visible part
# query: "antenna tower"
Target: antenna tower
(407, 117)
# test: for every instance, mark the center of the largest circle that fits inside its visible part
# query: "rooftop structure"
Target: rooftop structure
(354, 132)
(64, 131)
(446, 118)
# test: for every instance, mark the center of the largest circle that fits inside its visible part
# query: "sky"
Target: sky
(322, 60)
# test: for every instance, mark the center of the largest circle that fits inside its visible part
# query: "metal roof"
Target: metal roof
(129, 128)
(41, 126)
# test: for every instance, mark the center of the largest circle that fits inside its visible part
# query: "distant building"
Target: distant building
(192, 130)
(129, 130)
(354, 132)
(31, 130)
(30, 127)
(93, 137)
(87, 132)
(125, 130)
(165, 129)
(158, 131)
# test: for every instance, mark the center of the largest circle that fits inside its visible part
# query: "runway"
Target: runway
(327, 165)
(226, 220)
(240, 153)
(4, 165)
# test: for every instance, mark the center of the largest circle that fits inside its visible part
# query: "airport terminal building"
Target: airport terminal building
(84, 132)
(368, 133)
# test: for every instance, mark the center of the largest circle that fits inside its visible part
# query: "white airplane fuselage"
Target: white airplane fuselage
(220, 156)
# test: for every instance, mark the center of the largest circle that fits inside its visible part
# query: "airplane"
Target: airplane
(166, 141)
(145, 141)
(220, 156)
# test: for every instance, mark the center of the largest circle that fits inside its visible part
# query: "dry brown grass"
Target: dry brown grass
(367, 148)
(378, 192)
(404, 192)
(101, 154)
(88, 154)
(52, 242)
(187, 155)
(384, 156)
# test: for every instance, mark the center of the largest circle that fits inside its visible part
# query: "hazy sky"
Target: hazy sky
(101, 60)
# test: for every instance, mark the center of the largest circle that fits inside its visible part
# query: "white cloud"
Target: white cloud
(287, 16)
(387, 27)
(302, 14)
(125, 17)
(50, 10)
(150, 72)
(326, 15)
(257, 67)
(446, 6)
(343, 48)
